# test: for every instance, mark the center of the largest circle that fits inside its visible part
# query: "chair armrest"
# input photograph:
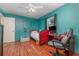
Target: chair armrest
(58, 42)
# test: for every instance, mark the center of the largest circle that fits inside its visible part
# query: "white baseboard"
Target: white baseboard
(8, 41)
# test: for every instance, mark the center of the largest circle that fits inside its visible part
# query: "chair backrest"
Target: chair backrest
(70, 32)
(67, 37)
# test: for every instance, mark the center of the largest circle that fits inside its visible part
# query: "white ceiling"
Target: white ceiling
(15, 9)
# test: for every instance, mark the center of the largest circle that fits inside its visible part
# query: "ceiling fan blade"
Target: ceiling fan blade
(38, 7)
(34, 6)
(23, 7)
(31, 5)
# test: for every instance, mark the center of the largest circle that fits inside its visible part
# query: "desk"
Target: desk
(52, 36)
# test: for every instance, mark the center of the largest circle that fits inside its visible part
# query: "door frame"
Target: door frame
(2, 40)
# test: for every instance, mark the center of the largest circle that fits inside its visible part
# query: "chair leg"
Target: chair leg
(66, 52)
(56, 52)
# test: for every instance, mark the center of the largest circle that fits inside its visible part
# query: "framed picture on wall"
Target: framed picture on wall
(51, 23)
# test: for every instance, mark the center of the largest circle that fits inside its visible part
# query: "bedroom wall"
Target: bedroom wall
(21, 23)
(67, 17)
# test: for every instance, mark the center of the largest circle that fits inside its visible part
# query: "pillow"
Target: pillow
(64, 40)
(63, 35)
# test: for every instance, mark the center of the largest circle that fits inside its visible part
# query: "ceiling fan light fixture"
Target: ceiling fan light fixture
(31, 10)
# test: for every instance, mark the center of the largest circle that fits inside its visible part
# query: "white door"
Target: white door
(9, 29)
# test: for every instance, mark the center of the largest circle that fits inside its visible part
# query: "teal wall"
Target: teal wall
(67, 17)
(23, 25)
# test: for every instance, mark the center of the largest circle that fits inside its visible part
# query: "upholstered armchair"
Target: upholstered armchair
(66, 43)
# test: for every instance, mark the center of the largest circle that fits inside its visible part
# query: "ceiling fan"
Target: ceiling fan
(32, 8)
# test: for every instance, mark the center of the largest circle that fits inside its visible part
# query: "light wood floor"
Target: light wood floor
(29, 48)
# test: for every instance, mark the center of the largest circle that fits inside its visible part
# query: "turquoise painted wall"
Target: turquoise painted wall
(23, 25)
(67, 17)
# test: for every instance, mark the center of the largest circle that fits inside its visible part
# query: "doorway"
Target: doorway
(9, 29)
